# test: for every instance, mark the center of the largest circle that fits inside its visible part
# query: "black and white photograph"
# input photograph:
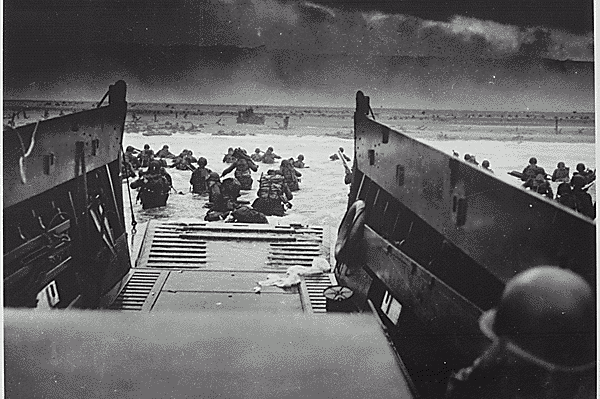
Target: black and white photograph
(299, 199)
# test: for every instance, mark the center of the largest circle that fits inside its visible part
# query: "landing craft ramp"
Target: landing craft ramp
(186, 266)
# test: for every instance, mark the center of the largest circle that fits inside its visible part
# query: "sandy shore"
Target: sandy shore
(168, 119)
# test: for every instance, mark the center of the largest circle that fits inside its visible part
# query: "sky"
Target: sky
(37, 35)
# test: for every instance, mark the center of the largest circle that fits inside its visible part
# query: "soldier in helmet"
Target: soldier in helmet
(257, 156)
(531, 171)
(486, 166)
(564, 196)
(273, 193)
(270, 156)
(199, 178)
(154, 187)
(540, 185)
(543, 337)
(583, 199)
(561, 173)
(243, 164)
(588, 174)
(165, 153)
(290, 175)
(299, 163)
(146, 156)
(229, 157)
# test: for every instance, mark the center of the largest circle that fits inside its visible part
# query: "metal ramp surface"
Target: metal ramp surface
(216, 266)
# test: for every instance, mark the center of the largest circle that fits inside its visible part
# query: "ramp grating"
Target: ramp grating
(135, 296)
(314, 288)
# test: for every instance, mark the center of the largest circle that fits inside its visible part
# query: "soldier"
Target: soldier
(540, 185)
(565, 196)
(229, 158)
(270, 156)
(290, 175)
(588, 174)
(543, 337)
(199, 178)
(130, 163)
(165, 153)
(146, 156)
(257, 156)
(273, 193)
(561, 173)
(583, 199)
(299, 163)
(184, 160)
(154, 187)
(242, 165)
(486, 165)
(531, 171)
(335, 157)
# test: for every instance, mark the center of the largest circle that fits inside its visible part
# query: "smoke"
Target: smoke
(275, 52)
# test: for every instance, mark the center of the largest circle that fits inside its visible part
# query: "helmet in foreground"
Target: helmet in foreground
(547, 317)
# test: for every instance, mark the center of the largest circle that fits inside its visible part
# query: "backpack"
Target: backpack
(245, 214)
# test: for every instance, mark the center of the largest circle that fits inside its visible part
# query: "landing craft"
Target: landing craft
(429, 242)
(248, 116)
(187, 319)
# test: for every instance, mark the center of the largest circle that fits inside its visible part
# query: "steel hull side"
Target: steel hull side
(437, 330)
(64, 228)
(504, 229)
(101, 131)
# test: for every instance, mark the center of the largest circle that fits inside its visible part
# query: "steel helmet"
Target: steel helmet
(533, 160)
(577, 181)
(547, 316)
(301, 157)
(213, 176)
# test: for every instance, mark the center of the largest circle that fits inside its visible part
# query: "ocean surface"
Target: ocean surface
(323, 195)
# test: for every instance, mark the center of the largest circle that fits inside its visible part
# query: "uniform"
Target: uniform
(270, 156)
(543, 337)
(198, 180)
(242, 166)
(154, 188)
(561, 173)
(290, 175)
(272, 194)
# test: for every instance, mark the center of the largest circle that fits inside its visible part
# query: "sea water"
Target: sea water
(322, 198)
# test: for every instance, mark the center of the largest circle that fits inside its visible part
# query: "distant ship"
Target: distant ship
(248, 116)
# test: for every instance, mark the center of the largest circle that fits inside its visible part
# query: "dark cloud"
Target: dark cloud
(279, 50)
(575, 16)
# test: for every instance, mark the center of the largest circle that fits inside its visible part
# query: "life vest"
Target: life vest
(348, 248)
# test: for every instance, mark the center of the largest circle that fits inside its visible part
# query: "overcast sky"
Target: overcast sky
(483, 50)
(417, 27)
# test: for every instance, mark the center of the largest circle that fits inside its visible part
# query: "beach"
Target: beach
(322, 198)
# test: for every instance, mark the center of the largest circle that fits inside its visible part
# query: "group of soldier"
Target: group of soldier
(571, 192)
(273, 196)
(274, 191)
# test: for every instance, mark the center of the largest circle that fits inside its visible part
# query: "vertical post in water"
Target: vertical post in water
(556, 124)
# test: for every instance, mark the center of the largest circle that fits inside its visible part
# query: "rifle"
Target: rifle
(346, 167)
